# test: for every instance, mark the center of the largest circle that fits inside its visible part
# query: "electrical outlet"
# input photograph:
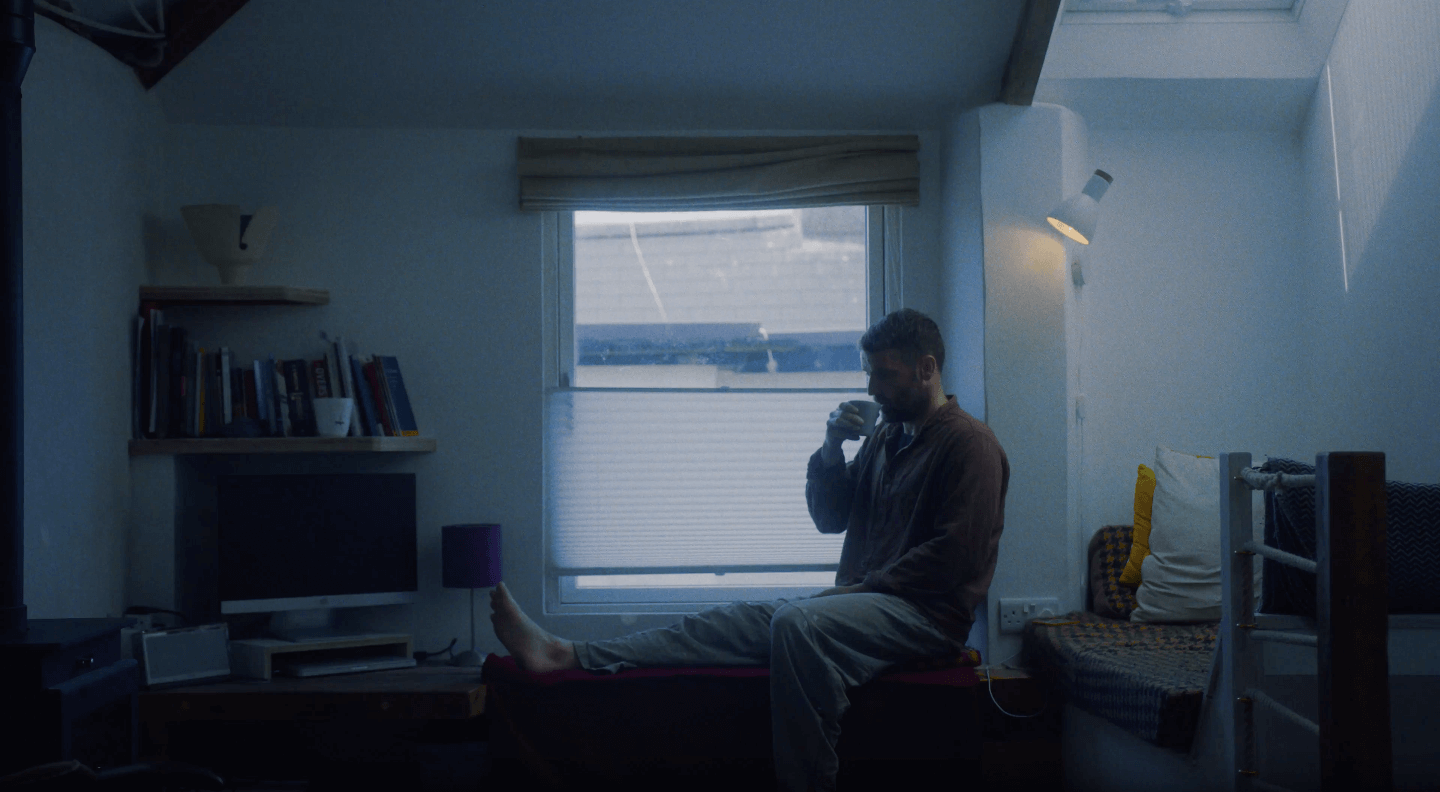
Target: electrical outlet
(1015, 612)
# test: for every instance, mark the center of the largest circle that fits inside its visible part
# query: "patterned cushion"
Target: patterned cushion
(1108, 553)
(1148, 679)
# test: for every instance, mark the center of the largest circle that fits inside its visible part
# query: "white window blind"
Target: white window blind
(664, 481)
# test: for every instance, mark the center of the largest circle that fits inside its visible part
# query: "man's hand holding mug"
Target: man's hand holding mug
(850, 421)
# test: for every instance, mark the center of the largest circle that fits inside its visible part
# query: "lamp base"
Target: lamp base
(468, 659)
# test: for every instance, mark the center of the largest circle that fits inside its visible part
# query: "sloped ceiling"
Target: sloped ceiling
(588, 65)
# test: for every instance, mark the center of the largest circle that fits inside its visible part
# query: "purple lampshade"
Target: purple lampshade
(470, 556)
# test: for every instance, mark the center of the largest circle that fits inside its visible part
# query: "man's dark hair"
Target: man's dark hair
(908, 333)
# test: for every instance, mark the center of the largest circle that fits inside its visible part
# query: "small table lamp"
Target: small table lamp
(470, 555)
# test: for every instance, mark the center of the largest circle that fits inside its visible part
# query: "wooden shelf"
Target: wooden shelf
(233, 295)
(283, 445)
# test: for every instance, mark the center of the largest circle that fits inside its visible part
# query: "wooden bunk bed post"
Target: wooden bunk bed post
(1352, 624)
(1239, 659)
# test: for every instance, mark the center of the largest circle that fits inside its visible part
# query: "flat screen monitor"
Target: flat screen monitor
(299, 542)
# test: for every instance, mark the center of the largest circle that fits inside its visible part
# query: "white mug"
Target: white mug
(332, 416)
(869, 413)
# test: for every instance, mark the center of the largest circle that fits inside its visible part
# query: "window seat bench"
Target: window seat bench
(709, 728)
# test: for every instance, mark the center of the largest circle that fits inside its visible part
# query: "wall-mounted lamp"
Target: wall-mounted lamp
(1076, 217)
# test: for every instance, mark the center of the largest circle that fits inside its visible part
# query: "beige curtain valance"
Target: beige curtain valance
(649, 174)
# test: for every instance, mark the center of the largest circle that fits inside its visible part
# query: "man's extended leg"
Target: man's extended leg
(735, 634)
(819, 648)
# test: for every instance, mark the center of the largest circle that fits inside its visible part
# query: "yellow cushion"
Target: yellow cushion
(1140, 537)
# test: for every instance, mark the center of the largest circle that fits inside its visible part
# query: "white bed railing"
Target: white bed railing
(1351, 624)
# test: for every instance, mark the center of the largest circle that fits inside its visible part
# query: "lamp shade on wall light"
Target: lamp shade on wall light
(1076, 218)
(470, 558)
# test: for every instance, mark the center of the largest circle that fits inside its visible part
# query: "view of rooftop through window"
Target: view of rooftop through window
(741, 299)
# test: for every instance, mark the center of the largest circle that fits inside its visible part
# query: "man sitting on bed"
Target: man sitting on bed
(922, 506)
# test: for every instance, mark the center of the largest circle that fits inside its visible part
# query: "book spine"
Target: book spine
(237, 394)
(251, 390)
(400, 400)
(175, 413)
(137, 378)
(364, 400)
(192, 388)
(319, 379)
(374, 379)
(347, 385)
(227, 394)
(157, 331)
(160, 397)
(262, 394)
(214, 409)
(332, 379)
(387, 403)
(297, 384)
(281, 424)
(202, 390)
(147, 373)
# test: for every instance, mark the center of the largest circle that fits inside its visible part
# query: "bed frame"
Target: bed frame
(1349, 633)
(1352, 681)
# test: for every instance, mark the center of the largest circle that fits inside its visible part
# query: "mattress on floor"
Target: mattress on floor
(1148, 679)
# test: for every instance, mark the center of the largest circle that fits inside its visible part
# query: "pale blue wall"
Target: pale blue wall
(91, 170)
(1194, 332)
(1374, 340)
(418, 237)
(1029, 157)
(963, 276)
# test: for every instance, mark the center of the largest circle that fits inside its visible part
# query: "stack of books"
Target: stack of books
(182, 389)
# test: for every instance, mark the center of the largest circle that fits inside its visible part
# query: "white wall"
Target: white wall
(962, 318)
(1030, 157)
(418, 238)
(1192, 331)
(91, 167)
(1374, 339)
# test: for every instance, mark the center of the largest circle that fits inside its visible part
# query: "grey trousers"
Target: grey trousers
(816, 648)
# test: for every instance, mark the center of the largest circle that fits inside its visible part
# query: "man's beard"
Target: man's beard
(900, 412)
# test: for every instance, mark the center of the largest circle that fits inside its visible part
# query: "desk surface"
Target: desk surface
(420, 693)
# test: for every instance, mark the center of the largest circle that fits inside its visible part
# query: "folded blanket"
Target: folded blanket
(1412, 539)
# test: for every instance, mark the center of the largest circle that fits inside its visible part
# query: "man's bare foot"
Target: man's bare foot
(534, 649)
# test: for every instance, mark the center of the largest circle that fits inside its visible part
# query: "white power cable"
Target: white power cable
(989, 687)
(41, 4)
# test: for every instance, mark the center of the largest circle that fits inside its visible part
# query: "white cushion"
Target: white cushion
(1180, 579)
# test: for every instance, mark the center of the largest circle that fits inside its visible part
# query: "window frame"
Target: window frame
(885, 278)
(1111, 12)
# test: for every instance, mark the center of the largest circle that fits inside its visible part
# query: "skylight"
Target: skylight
(1179, 7)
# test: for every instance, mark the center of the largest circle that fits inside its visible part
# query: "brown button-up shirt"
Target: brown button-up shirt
(922, 521)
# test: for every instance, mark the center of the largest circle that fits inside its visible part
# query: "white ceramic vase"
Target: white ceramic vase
(229, 240)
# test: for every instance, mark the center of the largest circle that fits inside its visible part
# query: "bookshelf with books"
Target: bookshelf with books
(189, 399)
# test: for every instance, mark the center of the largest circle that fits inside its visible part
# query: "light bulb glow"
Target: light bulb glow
(1068, 231)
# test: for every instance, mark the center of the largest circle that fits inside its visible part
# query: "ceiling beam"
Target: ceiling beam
(189, 23)
(1027, 53)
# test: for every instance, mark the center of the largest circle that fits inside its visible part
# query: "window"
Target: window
(1179, 7)
(696, 358)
